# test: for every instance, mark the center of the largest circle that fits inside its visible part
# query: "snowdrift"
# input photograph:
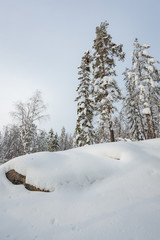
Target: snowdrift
(105, 191)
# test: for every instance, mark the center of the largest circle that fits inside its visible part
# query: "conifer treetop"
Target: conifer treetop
(105, 52)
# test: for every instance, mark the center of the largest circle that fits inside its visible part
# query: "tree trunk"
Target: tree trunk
(112, 135)
(153, 127)
(108, 110)
(103, 135)
(103, 65)
(148, 123)
(110, 126)
(149, 127)
(142, 125)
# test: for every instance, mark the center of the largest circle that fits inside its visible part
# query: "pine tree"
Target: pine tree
(132, 108)
(85, 105)
(42, 141)
(52, 141)
(56, 142)
(120, 128)
(106, 89)
(144, 83)
(62, 139)
(69, 141)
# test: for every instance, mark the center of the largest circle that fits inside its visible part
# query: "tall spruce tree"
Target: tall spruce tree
(85, 105)
(106, 88)
(144, 82)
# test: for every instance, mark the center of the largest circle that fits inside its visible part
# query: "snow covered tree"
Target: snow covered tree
(65, 140)
(28, 114)
(42, 141)
(62, 139)
(106, 90)
(132, 108)
(120, 127)
(11, 145)
(143, 93)
(85, 105)
(52, 141)
(69, 141)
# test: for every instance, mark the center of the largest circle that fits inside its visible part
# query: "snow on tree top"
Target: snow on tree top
(145, 53)
(107, 79)
(147, 111)
(150, 68)
(129, 74)
(151, 60)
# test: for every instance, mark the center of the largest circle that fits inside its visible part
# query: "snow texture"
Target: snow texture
(150, 68)
(105, 191)
(147, 111)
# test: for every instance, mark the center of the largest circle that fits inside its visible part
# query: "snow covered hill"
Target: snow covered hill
(102, 192)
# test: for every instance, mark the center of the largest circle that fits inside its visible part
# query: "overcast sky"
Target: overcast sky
(42, 42)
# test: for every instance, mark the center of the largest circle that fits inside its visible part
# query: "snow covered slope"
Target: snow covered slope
(107, 191)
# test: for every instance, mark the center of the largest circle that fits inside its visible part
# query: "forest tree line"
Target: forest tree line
(98, 117)
(24, 136)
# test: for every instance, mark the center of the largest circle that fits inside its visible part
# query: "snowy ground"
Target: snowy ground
(100, 192)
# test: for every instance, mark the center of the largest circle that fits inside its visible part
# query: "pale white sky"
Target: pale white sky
(42, 42)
